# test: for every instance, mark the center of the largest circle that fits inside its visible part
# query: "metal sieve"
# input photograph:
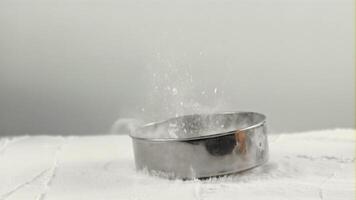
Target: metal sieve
(199, 146)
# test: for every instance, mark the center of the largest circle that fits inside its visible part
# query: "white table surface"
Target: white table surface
(309, 165)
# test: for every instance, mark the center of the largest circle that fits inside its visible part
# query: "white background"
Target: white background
(75, 66)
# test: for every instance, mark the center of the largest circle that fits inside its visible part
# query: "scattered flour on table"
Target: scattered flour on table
(309, 165)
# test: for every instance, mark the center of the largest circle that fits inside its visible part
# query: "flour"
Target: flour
(306, 165)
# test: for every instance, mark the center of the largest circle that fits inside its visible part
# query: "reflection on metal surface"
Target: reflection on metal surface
(240, 137)
(220, 146)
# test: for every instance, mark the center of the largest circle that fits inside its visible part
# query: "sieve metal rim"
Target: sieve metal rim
(261, 123)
